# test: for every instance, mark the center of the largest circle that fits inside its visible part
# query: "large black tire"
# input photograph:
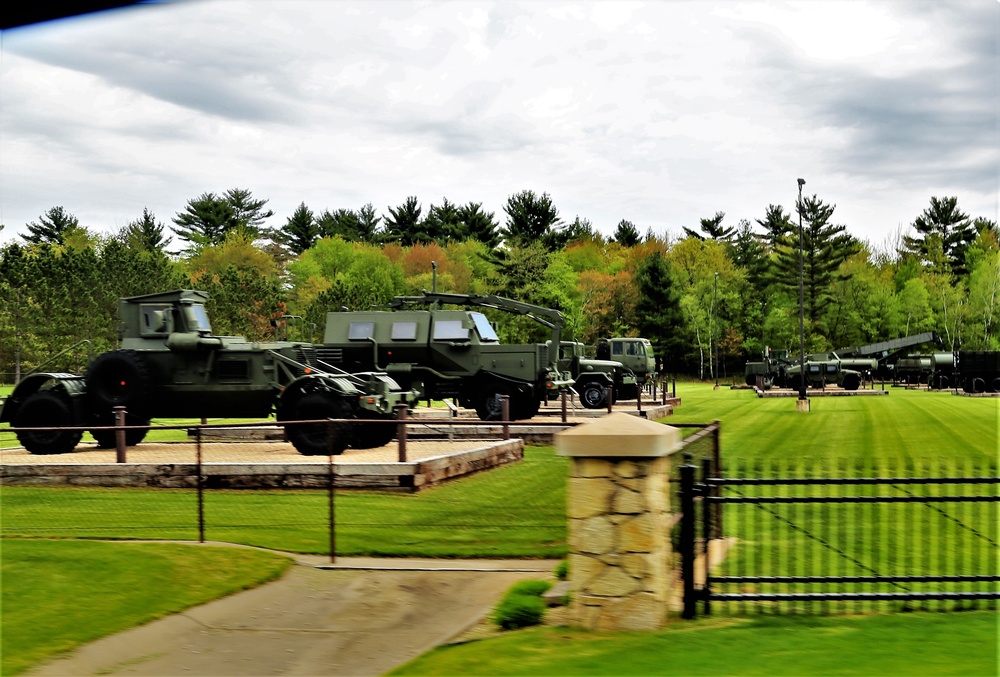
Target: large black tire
(118, 378)
(106, 438)
(852, 381)
(43, 409)
(312, 439)
(372, 435)
(593, 395)
(974, 384)
(995, 387)
(489, 403)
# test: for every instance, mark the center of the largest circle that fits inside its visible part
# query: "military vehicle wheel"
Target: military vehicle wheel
(593, 395)
(106, 438)
(372, 435)
(47, 408)
(118, 378)
(852, 381)
(975, 385)
(995, 387)
(751, 379)
(311, 439)
(489, 406)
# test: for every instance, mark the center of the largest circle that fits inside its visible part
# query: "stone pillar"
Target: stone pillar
(619, 522)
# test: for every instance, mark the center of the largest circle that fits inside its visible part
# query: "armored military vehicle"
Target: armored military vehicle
(450, 352)
(978, 370)
(171, 365)
(594, 377)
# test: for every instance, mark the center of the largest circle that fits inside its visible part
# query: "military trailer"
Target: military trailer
(594, 377)
(450, 352)
(171, 365)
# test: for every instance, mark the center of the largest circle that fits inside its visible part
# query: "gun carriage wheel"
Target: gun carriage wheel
(118, 378)
(311, 439)
(47, 408)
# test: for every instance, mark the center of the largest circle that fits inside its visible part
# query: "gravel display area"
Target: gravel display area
(238, 452)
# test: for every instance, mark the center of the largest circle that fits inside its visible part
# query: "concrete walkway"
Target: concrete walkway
(359, 617)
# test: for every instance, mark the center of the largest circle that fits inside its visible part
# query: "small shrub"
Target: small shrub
(562, 570)
(532, 588)
(522, 605)
(519, 611)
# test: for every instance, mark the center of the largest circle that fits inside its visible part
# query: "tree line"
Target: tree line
(717, 289)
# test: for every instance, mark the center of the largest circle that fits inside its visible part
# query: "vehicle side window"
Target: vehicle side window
(156, 320)
(483, 326)
(404, 331)
(197, 318)
(359, 331)
(616, 349)
(631, 349)
(450, 330)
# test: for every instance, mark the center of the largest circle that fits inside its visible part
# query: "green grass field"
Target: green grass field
(514, 511)
(57, 595)
(899, 644)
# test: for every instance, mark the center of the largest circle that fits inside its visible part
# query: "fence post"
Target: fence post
(562, 397)
(401, 431)
(653, 384)
(505, 415)
(201, 488)
(119, 434)
(331, 491)
(609, 393)
(717, 468)
(706, 534)
(687, 537)
(638, 399)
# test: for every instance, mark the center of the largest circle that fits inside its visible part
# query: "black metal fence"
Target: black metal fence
(824, 537)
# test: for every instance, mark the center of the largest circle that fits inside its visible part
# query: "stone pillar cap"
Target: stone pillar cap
(618, 435)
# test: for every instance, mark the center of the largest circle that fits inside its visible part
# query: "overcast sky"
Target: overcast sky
(661, 113)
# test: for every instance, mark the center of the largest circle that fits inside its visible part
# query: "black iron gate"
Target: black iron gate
(807, 537)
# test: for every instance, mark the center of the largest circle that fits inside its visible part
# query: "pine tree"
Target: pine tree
(52, 226)
(403, 223)
(479, 225)
(146, 233)
(824, 247)
(299, 232)
(533, 218)
(626, 234)
(946, 226)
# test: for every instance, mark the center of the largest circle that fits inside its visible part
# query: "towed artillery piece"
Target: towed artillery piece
(845, 367)
(171, 365)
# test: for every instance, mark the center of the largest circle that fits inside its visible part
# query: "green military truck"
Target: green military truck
(594, 377)
(171, 365)
(450, 352)
(635, 354)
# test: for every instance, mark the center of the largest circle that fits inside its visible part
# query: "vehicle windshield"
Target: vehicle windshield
(197, 318)
(485, 329)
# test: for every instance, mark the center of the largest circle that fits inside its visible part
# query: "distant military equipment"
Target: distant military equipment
(171, 365)
(451, 352)
(846, 367)
(978, 370)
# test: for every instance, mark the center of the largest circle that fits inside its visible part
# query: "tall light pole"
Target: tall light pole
(802, 312)
(715, 327)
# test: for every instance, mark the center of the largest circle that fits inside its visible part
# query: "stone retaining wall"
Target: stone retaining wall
(411, 476)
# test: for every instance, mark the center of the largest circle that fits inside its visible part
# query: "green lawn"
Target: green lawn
(515, 511)
(899, 644)
(57, 595)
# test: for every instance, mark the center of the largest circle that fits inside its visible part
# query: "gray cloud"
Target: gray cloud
(935, 127)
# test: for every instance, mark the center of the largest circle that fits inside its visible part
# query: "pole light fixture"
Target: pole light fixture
(802, 312)
(715, 327)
